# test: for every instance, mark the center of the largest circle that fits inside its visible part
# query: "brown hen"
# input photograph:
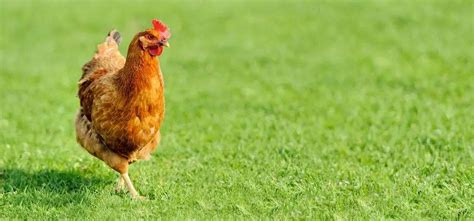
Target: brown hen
(122, 101)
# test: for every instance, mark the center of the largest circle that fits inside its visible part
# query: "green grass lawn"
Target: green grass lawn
(303, 109)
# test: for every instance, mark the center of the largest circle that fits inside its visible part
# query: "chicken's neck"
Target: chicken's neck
(141, 72)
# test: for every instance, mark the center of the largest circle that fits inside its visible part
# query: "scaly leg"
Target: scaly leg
(130, 187)
(120, 184)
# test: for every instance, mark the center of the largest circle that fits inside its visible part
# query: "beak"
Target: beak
(166, 44)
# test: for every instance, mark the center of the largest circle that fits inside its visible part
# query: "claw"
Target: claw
(139, 197)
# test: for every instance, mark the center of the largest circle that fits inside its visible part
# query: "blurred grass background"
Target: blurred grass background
(275, 109)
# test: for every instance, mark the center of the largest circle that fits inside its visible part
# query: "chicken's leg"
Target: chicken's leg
(130, 187)
(120, 184)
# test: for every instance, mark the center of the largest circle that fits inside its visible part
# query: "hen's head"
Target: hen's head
(154, 39)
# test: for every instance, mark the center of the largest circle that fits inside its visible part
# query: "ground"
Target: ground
(279, 110)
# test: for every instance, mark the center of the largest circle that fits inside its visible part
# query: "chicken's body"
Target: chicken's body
(122, 105)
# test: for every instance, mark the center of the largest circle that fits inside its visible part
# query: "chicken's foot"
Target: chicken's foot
(130, 187)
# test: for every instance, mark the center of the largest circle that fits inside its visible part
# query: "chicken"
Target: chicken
(122, 101)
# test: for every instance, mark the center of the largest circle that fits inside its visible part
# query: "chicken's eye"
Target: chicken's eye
(150, 37)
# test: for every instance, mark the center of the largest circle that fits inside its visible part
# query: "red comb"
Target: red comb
(161, 27)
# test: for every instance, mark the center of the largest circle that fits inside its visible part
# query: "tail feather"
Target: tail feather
(116, 36)
(107, 56)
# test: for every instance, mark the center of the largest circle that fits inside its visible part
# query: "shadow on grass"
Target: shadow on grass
(48, 187)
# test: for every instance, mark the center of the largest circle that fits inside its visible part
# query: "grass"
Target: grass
(306, 109)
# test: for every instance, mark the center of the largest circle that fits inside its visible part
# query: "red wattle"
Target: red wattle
(156, 51)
